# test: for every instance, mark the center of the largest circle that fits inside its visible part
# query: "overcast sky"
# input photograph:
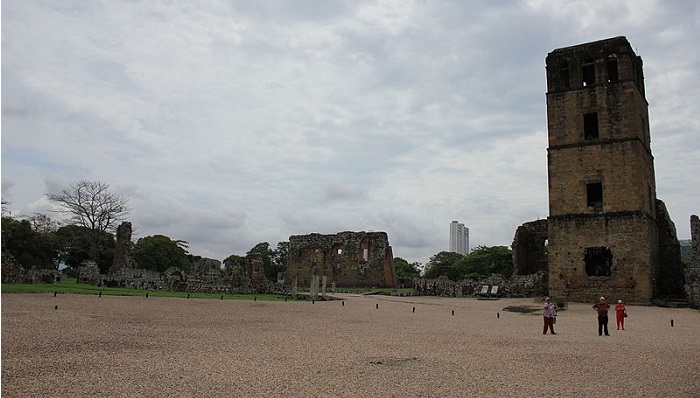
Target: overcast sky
(229, 123)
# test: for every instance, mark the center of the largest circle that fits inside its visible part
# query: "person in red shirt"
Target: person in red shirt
(620, 312)
(602, 308)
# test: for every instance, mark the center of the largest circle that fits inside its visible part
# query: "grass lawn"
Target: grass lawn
(69, 286)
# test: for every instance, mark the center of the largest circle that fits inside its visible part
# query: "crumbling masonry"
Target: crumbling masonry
(692, 270)
(347, 259)
(607, 232)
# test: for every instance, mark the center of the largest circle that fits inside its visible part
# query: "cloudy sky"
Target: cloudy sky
(229, 123)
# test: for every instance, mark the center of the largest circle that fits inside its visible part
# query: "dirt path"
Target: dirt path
(367, 347)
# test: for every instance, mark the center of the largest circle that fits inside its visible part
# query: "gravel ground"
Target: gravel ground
(370, 346)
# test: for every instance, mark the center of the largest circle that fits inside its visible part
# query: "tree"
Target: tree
(75, 242)
(93, 206)
(279, 257)
(484, 261)
(404, 269)
(158, 253)
(233, 262)
(32, 249)
(440, 264)
(42, 223)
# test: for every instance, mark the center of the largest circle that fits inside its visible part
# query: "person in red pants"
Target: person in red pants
(550, 311)
(620, 314)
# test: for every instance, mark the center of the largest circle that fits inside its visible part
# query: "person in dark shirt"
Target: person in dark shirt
(602, 307)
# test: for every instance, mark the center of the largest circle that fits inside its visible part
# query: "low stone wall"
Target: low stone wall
(517, 286)
(14, 272)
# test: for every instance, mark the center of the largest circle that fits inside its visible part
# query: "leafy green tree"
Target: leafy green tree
(158, 253)
(484, 261)
(441, 264)
(279, 257)
(29, 247)
(234, 261)
(404, 269)
(75, 243)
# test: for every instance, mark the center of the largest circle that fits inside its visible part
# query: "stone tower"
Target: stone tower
(603, 234)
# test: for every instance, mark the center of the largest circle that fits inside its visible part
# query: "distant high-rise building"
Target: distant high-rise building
(459, 238)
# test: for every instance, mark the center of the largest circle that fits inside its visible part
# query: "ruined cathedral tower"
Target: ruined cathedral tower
(603, 234)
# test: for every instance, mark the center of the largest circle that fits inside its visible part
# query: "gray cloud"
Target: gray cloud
(240, 122)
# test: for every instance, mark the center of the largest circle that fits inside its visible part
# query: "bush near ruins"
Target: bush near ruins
(28, 246)
(406, 270)
(158, 253)
(75, 242)
(480, 263)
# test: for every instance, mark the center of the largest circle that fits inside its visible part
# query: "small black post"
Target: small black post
(222, 296)
(313, 301)
(146, 294)
(55, 293)
(343, 303)
(453, 312)
(671, 322)
(498, 315)
(188, 296)
(414, 310)
(56, 307)
(377, 307)
(255, 298)
(100, 295)
(285, 299)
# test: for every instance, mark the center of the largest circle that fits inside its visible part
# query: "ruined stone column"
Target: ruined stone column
(121, 248)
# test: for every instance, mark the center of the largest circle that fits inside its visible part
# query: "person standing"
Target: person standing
(620, 313)
(550, 311)
(602, 308)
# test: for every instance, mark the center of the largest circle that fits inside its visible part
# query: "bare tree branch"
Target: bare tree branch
(93, 206)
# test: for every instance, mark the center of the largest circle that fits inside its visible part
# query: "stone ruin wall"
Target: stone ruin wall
(205, 276)
(14, 272)
(532, 285)
(529, 248)
(670, 277)
(692, 270)
(348, 259)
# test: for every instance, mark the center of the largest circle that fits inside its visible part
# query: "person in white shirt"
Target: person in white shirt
(550, 311)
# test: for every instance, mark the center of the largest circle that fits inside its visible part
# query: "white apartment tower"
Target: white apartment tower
(459, 238)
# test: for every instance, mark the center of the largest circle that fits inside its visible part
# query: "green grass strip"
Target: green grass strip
(69, 286)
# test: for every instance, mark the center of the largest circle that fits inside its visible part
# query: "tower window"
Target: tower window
(590, 126)
(564, 74)
(612, 70)
(598, 261)
(588, 72)
(594, 195)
